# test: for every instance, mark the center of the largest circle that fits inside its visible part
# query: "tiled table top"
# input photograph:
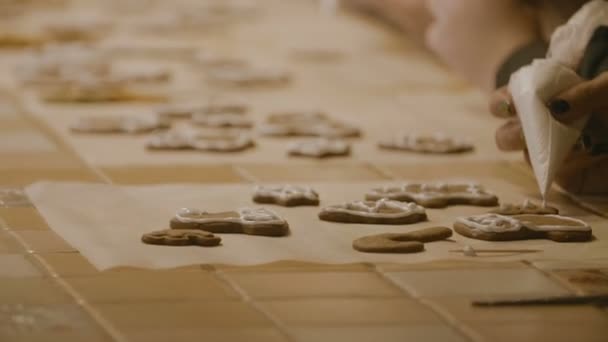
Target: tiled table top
(49, 292)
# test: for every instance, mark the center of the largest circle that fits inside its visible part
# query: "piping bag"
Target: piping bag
(549, 141)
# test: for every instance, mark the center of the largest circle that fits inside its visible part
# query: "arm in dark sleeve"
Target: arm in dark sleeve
(595, 59)
(520, 57)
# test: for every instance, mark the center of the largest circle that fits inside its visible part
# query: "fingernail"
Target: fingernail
(505, 109)
(559, 107)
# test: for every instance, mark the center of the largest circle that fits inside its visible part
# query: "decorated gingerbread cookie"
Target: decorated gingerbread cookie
(189, 110)
(244, 221)
(319, 148)
(221, 120)
(526, 207)
(186, 139)
(181, 237)
(118, 124)
(305, 123)
(411, 242)
(97, 91)
(495, 227)
(286, 195)
(383, 211)
(249, 76)
(436, 195)
(437, 143)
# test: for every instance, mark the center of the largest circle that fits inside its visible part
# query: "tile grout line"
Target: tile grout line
(106, 326)
(221, 275)
(458, 326)
(381, 171)
(246, 175)
(555, 278)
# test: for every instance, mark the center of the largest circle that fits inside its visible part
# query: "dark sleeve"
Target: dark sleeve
(522, 56)
(595, 59)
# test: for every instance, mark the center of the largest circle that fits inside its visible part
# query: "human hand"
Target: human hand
(475, 37)
(583, 171)
(411, 16)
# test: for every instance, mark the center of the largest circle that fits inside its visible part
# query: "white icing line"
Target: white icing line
(286, 192)
(363, 208)
(247, 216)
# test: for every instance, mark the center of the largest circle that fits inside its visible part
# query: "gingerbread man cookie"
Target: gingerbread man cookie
(286, 195)
(244, 221)
(181, 237)
(437, 143)
(495, 227)
(436, 195)
(319, 148)
(185, 139)
(526, 207)
(411, 242)
(118, 124)
(383, 211)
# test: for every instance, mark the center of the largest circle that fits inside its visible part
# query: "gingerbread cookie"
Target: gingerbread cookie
(307, 124)
(319, 148)
(188, 111)
(221, 120)
(244, 221)
(438, 143)
(527, 207)
(118, 124)
(245, 76)
(411, 242)
(383, 211)
(181, 237)
(97, 92)
(185, 139)
(495, 227)
(286, 195)
(436, 195)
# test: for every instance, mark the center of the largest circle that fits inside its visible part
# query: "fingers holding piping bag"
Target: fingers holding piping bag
(583, 99)
(501, 103)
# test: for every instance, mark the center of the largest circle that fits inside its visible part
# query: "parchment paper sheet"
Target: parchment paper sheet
(105, 223)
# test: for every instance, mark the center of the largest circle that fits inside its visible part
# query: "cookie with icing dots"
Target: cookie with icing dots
(436, 195)
(526, 207)
(495, 227)
(410, 242)
(181, 237)
(319, 148)
(435, 143)
(286, 195)
(259, 221)
(374, 212)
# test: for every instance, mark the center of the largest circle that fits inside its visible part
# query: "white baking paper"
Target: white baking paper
(105, 224)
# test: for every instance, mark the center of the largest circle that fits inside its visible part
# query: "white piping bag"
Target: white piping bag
(548, 141)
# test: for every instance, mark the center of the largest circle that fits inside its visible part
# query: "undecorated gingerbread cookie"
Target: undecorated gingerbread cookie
(185, 139)
(437, 143)
(119, 124)
(495, 227)
(411, 242)
(383, 211)
(181, 237)
(436, 195)
(526, 207)
(319, 148)
(286, 195)
(249, 221)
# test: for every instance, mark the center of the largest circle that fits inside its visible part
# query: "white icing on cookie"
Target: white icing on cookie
(494, 223)
(375, 208)
(286, 192)
(436, 143)
(439, 190)
(319, 148)
(244, 216)
(173, 139)
(491, 223)
(223, 119)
